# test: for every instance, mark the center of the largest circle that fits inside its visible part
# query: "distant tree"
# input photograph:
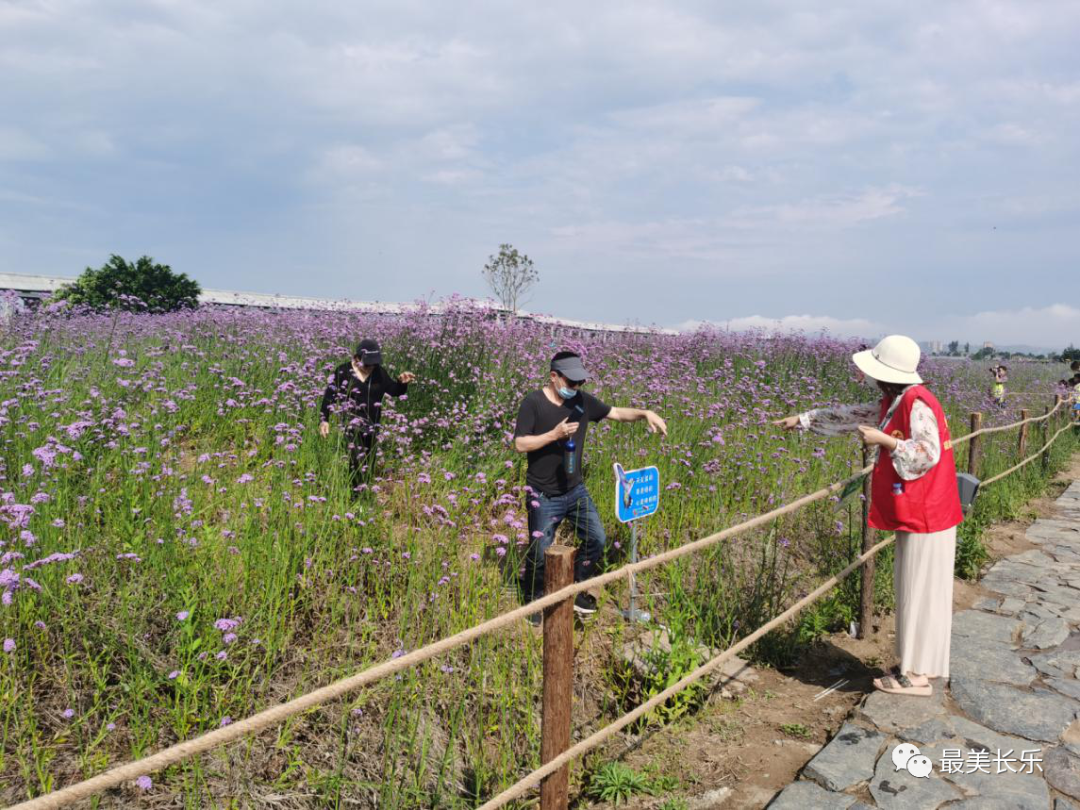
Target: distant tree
(983, 353)
(1070, 354)
(967, 348)
(954, 347)
(141, 286)
(510, 275)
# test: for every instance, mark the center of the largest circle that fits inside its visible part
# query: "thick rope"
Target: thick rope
(1011, 425)
(117, 776)
(1027, 460)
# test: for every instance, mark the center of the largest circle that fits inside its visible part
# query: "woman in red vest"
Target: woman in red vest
(913, 493)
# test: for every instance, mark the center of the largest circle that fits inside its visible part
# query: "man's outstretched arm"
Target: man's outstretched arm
(655, 423)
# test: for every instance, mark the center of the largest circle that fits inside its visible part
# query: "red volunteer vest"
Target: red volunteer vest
(927, 504)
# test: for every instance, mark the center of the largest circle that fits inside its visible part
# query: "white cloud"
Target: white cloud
(840, 211)
(1015, 135)
(1053, 326)
(18, 145)
(810, 324)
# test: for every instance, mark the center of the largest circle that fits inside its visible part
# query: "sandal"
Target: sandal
(902, 685)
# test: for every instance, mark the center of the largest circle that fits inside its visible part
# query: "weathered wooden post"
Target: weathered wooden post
(866, 589)
(1022, 445)
(973, 445)
(558, 676)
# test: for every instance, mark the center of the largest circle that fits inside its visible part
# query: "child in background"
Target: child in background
(997, 391)
(1074, 391)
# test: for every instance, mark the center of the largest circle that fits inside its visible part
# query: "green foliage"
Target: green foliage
(667, 668)
(616, 783)
(796, 730)
(142, 286)
(1070, 354)
(675, 803)
(971, 554)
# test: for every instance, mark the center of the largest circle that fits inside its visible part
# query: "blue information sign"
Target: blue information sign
(637, 492)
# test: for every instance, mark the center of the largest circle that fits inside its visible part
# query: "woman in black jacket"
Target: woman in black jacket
(356, 392)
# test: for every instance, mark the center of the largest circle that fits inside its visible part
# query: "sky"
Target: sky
(864, 168)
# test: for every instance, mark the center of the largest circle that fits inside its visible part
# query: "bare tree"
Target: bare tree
(510, 275)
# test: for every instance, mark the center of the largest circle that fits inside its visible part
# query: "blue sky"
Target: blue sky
(863, 167)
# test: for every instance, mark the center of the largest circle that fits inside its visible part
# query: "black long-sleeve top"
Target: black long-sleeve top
(358, 399)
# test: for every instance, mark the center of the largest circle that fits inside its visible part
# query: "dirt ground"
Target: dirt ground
(755, 744)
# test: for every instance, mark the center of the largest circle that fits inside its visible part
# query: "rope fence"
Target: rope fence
(114, 777)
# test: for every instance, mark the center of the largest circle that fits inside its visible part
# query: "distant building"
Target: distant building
(932, 346)
(19, 292)
(988, 344)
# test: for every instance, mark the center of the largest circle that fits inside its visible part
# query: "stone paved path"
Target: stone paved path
(1014, 687)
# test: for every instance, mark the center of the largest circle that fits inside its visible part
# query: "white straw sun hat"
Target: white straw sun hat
(893, 360)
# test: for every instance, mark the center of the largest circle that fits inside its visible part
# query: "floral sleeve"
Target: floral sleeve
(915, 457)
(842, 419)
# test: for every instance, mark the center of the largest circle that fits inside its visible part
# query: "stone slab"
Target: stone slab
(1009, 587)
(848, 759)
(1065, 686)
(973, 659)
(1036, 715)
(1033, 613)
(1063, 771)
(952, 731)
(1046, 635)
(1059, 664)
(803, 795)
(899, 790)
(984, 626)
(895, 712)
(1033, 556)
(1025, 790)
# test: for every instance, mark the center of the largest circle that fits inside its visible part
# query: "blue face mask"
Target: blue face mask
(566, 393)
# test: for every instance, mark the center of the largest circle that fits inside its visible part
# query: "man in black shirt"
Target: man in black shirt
(356, 391)
(547, 421)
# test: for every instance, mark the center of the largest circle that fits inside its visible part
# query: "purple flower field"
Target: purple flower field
(181, 548)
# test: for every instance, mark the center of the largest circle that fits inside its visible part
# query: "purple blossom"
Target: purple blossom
(9, 645)
(144, 783)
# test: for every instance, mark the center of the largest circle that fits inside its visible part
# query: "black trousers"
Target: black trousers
(360, 442)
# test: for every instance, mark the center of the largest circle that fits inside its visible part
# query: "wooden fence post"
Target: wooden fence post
(866, 587)
(1022, 446)
(973, 445)
(558, 676)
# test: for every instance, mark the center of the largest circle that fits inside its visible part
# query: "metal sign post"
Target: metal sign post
(637, 495)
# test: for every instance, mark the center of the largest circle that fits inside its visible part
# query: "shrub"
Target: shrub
(142, 286)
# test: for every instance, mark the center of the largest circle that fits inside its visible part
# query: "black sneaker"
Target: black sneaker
(585, 604)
